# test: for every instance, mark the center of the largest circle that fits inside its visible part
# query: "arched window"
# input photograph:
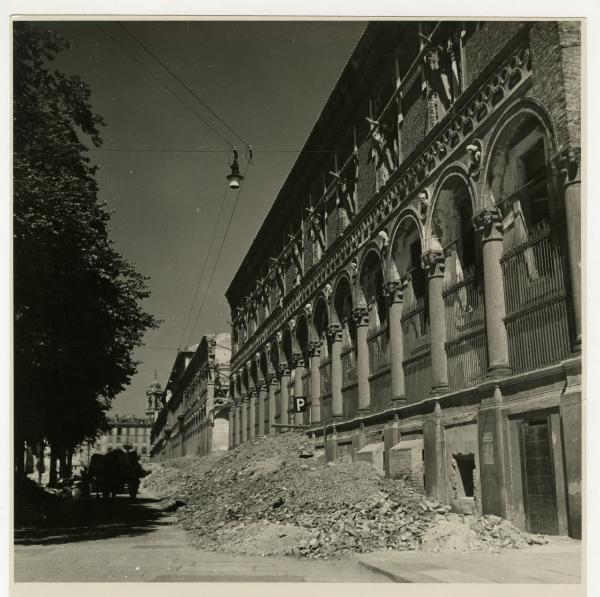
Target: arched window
(519, 182)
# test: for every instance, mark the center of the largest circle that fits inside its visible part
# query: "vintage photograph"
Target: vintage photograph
(297, 301)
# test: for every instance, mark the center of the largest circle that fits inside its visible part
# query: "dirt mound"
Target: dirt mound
(258, 492)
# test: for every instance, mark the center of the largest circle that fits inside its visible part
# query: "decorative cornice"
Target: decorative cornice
(441, 144)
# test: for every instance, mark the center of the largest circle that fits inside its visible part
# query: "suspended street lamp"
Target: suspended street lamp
(235, 177)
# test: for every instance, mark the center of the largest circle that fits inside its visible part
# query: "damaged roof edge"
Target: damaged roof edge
(363, 44)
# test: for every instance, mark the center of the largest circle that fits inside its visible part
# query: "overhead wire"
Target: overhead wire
(220, 251)
(163, 85)
(183, 84)
(208, 252)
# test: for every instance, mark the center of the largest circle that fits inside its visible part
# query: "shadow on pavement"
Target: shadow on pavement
(90, 519)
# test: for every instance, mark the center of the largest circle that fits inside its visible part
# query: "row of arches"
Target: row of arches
(515, 183)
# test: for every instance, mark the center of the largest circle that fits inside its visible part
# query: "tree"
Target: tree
(77, 301)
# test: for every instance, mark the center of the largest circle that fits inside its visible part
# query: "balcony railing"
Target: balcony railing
(417, 350)
(537, 307)
(466, 346)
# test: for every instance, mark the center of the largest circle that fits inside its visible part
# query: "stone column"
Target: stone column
(434, 265)
(251, 413)
(361, 319)
(393, 291)
(262, 395)
(489, 223)
(231, 428)
(314, 353)
(244, 419)
(435, 456)
(334, 332)
(284, 377)
(569, 165)
(238, 424)
(272, 387)
(299, 366)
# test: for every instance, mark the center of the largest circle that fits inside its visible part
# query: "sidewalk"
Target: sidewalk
(557, 562)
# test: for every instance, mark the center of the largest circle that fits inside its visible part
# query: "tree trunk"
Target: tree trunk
(69, 462)
(19, 457)
(52, 475)
(62, 459)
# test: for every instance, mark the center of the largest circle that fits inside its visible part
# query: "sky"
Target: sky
(268, 81)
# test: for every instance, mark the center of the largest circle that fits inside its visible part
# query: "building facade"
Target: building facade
(125, 432)
(424, 295)
(193, 417)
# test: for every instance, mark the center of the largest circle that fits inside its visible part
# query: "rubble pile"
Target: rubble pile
(276, 495)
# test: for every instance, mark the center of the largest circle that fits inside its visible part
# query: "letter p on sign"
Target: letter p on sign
(299, 404)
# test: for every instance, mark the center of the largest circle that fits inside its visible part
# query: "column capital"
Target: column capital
(334, 332)
(434, 263)
(263, 385)
(567, 164)
(298, 360)
(252, 393)
(284, 370)
(393, 291)
(314, 349)
(272, 378)
(489, 222)
(360, 316)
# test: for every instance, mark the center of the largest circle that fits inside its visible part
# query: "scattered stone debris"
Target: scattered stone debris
(268, 497)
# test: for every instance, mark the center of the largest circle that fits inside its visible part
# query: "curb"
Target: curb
(393, 577)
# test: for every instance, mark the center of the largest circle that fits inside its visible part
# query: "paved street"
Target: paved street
(123, 542)
(138, 543)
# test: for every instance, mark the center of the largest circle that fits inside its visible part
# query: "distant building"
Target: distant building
(418, 293)
(126, 432)
(194, 407)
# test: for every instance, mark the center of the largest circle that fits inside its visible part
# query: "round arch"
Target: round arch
(517, 176)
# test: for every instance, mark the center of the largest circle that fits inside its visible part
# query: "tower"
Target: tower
(153, 402)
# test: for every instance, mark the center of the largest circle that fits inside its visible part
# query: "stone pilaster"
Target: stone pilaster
(299, 366)
(284, 377)
(393, 292)
(334, 333)
(568, 165)
(262, 397)
(252, 413)
(314, 354)
(489, 223)
(272, 388)
(434, 264)
(361, 319)
(244, 409)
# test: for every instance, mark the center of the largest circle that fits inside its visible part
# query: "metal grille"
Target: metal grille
(536, 300)
(378, 343)
(466, 346)
(417, 349)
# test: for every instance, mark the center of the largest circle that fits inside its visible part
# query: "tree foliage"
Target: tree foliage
(77, 301)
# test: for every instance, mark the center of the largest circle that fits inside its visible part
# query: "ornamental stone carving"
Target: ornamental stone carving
(434, 263)
(393, 291)
(402, 188)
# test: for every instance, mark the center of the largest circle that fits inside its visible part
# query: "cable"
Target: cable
(254, 151)
(208, 252)
(219, 253)
(163, 85)
(191, 91)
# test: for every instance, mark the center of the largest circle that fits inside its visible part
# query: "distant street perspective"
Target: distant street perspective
(298, 302)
